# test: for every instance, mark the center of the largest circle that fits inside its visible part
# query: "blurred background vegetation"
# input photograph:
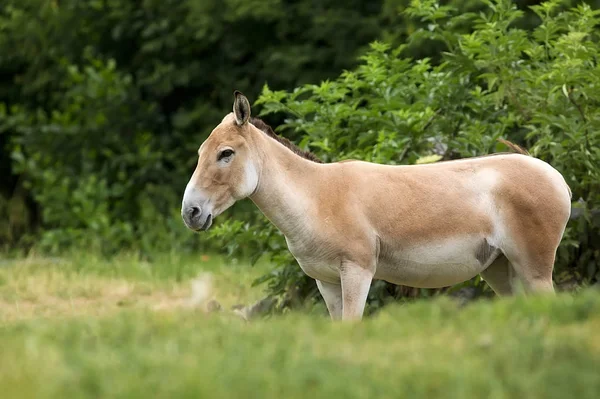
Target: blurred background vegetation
(103, 104)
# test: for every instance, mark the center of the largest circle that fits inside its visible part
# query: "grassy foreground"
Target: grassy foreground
(127, 329)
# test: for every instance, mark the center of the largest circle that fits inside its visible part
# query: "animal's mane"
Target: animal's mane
(262, 126)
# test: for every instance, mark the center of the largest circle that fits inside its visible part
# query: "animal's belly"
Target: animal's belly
(435, 265)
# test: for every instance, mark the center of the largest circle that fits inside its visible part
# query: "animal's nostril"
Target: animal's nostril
(194, 212)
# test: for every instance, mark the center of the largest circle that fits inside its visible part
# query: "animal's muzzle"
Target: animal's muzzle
(195, 219)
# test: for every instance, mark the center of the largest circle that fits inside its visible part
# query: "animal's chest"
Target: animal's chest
(316, 259)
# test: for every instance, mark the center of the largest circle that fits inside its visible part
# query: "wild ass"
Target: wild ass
(348, 223)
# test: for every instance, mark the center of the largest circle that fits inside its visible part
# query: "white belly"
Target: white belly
(433, 265)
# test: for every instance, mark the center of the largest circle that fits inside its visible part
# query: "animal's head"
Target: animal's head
(227, 169)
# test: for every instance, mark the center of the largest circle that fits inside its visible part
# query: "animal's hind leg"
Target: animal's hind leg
(534, 282)
(534, 215)
(499, 276)
(534, 272)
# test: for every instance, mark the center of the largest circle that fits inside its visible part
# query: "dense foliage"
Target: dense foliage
(538, 88)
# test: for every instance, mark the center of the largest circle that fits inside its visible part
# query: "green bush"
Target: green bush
(538, 88)
(91, 162)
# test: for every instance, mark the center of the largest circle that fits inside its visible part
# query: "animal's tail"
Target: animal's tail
(521, 150)
(514, 147)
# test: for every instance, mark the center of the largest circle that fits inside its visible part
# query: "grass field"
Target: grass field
(83, 327)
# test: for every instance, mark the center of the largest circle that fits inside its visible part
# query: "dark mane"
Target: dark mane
(259, 124)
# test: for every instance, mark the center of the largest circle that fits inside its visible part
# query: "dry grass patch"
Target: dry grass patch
(95, 296)
(43, 287)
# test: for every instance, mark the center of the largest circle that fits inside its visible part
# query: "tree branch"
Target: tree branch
(583, 117)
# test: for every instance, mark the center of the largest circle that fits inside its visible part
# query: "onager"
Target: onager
(501, 216)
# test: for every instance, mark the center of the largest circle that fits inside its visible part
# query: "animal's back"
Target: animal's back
(455, 191)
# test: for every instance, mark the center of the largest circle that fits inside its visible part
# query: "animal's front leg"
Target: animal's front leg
(332, 294)
(356, 282)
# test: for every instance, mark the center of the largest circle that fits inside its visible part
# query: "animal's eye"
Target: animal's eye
(225, 154)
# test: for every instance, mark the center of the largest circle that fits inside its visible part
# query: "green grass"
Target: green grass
(84, 327)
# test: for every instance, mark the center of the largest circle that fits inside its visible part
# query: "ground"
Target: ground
(85, 327)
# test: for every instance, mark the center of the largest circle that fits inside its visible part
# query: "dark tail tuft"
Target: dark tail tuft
(514, 147)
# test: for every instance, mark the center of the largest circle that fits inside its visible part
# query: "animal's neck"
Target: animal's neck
(283, 192)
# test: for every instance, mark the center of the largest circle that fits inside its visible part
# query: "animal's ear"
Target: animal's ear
(241, 108)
